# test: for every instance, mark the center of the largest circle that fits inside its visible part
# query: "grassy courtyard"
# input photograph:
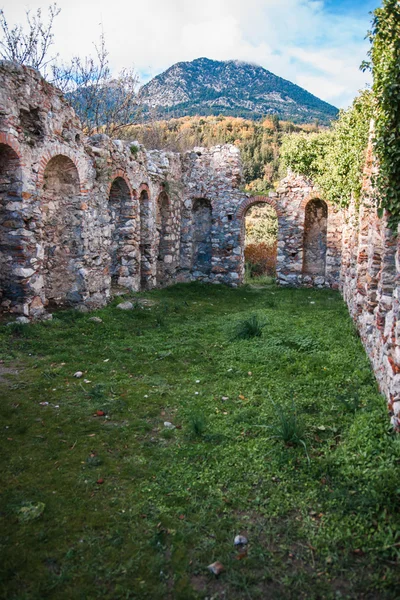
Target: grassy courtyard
(281, 437)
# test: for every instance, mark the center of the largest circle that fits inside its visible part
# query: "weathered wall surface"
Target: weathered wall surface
(370, 277)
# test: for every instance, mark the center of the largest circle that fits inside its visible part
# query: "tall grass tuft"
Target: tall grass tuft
(197, 425)
(248, 328)
(287, 427)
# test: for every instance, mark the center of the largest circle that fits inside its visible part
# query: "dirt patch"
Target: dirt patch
(7, 374)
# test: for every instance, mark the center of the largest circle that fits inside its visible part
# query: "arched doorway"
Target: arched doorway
(146, 238)
(163, 226)
(11, 288)
(315, 238)
(62, 232)
(202, 237)
(260, 240)
(120, 207)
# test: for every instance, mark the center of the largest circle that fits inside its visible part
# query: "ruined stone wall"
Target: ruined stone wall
(80, 217)
(369, 282)
(309, 233)
(83, 217)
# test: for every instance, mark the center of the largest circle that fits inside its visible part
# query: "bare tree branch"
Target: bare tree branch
(105, 104)
(29, 45)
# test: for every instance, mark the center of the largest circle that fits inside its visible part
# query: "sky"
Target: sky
(317, 44)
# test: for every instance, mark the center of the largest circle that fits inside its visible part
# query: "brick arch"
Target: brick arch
(315, 235)
(120, 174)
(310, 197)
(12, 247)
(241, 213)
(144, 188)
(245, 205)
(59, 150)
(8, 140)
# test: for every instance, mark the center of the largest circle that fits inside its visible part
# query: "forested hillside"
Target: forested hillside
(259, 141)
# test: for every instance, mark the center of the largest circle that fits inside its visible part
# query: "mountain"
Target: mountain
(210, 87)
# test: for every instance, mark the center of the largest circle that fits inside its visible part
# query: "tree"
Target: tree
(104, 104)
(29, 46)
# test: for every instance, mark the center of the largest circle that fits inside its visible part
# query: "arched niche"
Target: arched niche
(61, 233)
(163, 227)
(11, 222)
(120, 207)
(146, 240)
(315, 237)
(202, 240)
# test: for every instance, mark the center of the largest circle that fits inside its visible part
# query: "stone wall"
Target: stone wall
(82, 217)
(309, 234)
(370, 284)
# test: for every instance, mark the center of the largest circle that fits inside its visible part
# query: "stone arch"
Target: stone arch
(12, 271)
(146, 238)
(315, 237)
(202, 236)
(122, 244)
(163, 227)
(62, 232)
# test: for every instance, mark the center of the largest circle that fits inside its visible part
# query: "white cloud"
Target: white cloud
(294, 39)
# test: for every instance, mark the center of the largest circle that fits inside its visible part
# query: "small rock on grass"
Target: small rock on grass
(240, 540)
(216, 568)
(168, 425)
(78, 374)
(23, 320)
(125, 306)
(96, 320)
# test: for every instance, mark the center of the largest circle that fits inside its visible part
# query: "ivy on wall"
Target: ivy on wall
(335, 159)
(385, 67)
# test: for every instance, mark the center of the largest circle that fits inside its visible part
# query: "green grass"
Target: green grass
(119, 506)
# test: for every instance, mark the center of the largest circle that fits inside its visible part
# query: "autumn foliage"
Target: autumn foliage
(261, 258)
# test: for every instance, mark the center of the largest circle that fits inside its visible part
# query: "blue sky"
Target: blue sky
(318, 44)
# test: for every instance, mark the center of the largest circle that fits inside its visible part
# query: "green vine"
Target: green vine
(385, 67)
(334, 159)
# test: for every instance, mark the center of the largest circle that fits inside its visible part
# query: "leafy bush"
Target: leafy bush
(261, 224)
